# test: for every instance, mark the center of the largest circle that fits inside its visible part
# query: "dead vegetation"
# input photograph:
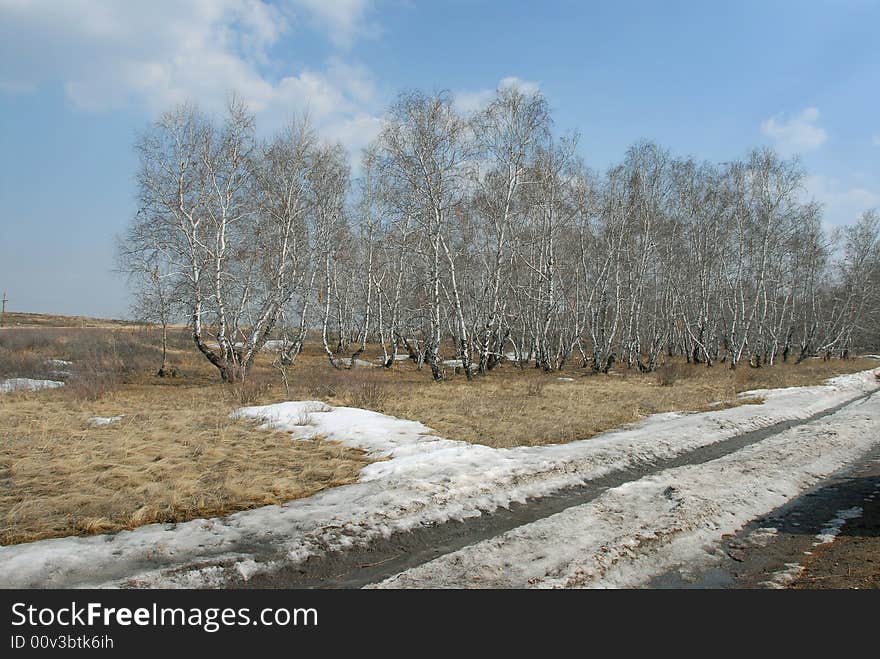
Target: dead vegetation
(176, 454)
(525, 407)
(17, 319)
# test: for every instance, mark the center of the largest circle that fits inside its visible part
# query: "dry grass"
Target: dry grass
(23, 319)
(529, 408)
(175, 456)
(809, 372)
(525, 407)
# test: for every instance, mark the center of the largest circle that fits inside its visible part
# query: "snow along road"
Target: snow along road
(677, 517)
(539, 516)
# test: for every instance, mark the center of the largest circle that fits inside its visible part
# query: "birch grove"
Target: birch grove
(466, 241)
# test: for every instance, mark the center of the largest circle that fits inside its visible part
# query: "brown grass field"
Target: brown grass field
(176, 454)
(18, 319)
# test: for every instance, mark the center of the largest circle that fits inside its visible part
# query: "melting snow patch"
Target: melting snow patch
(761, 537)
(276, 344)
(782, 578)
(832, 529)
(248, 568)
(27, 384)
(456, 363)
(676, 517)
(641, 527)
(105, 420)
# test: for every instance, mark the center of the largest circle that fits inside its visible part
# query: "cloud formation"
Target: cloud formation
(342, 20)
(843, 204)
(796, 133)
(469, 102)
(110, 55)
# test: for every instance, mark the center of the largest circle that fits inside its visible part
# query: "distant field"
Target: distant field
(175, 454)
(22, 319)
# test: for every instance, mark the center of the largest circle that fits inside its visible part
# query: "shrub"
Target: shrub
(19, 340)
(671, 372)
(535, 387)
(23, 364)
(92, 383)
(367, 394)
(250, 390)
(319, 383)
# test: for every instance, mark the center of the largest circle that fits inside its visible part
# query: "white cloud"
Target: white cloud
(796, 133)
(843, 203)
(110, 55)
(343, 20)
(469, 102)
(525, 86)
(356, 132)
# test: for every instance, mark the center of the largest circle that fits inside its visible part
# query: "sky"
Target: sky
(79, 79)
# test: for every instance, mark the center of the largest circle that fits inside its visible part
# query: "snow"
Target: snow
(27, 384)
(456, 363)
(276, 344)
(565, 379)
(832, 529)
(421, 479)
(677, 517)
(379, 435)
(783, 577)
(762, 536)
(105, 420)
(270, 345)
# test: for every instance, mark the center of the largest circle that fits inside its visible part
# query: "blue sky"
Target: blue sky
(80, 78)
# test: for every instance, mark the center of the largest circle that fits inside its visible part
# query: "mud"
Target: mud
(361, 566)
(789, 557)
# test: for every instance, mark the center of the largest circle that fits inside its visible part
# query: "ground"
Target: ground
(852, 561)
(175, 455)
(117, 447)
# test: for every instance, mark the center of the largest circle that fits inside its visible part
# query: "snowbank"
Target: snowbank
(27, 384)
(675, 518)
(423, 479)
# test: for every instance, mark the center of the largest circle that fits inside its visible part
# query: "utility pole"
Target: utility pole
(3, 308)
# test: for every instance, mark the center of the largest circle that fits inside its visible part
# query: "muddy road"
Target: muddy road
(827, 538)
(779, 549)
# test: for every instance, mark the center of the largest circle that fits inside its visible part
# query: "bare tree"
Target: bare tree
(226, 214)
(422, 153)
(486, 236)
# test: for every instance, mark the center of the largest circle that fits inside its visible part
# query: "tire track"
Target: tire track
(362, 566)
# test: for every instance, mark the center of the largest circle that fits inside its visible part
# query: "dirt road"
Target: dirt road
(716, 499)
(768, 552)
(827, 538)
